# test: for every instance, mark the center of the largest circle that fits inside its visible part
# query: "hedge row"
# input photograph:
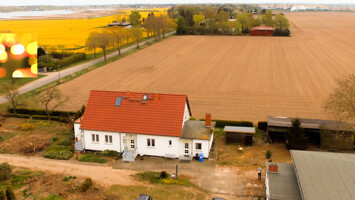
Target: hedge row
(262, 126)
(38, 117)
(222, 123)
(40, 112)
(18, 115)
(72, 59)
(280, 32)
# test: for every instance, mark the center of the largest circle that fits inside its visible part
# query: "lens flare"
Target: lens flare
(32, 48)
(32, 60)
(34, 69)
(17, 74)
(2, 49)
(17, 49)
(2, 72)
(3, 57)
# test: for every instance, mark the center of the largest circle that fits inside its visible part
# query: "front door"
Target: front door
(187, 149)
(129, 141)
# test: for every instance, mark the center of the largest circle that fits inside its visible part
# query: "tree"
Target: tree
(198, 19)
(149, 24)
(166, 24)
(181, 28)
(281, 22)
(267, 19)
(136, 34)
(91, 42)
(244, 20)
(2, 195)
(12, 95)
(211, 19)
(134, 18)
(341, 101)
(118, 34)
(295, 136)
(101, 40)
(51, 99)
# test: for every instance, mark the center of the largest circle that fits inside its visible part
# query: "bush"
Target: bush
(59, 155)
(48, 62)
(66, 142)
(87, 184)
(268, 154)
(223, 123)
(2, 138)
(10, 195)
(192, 118)
(108, 153)
(27, 126)
(5, 171)
(90, 157)
(163, 174)
(54, 139)
(280, 32)
(2, 195)
(72, 59)
(262, 126)
(52, 197)
(40, 117)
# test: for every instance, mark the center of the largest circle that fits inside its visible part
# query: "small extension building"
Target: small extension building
(239, 134)
(262, 31)
(277, 126)
(136, 123)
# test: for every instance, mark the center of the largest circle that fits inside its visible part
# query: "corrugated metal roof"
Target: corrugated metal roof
(325, 175)
(309, 123)
(283, 185)
(239, 129)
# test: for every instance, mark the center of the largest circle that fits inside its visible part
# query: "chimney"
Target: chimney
(156, 96)
(273, 168)
(208, 120)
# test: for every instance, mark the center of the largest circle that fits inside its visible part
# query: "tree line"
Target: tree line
(116, 36)
(209, 20)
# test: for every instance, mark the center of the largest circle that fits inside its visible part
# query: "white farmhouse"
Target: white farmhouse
(142, 124)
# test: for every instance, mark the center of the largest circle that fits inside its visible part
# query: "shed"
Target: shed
(262, 31)
(239, 134)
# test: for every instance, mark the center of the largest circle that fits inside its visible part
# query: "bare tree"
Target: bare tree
(118, 34)
(137, 34)
(52, 98)
(12, 95)
(341, 102)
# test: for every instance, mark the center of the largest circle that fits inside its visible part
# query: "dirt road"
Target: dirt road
(104, 175)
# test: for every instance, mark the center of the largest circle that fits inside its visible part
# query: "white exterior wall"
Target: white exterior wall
(186, 114)
(204, 149)
(101, 145)
(161, 145)
(77, 130)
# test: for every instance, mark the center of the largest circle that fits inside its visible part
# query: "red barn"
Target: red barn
(261, 31)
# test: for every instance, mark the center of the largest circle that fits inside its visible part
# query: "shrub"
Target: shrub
(295, 136)
(10, 195)
(5, 171)
(59, 155)
(66, 142)
(336, 140)
(27, 126)
(280, 32)
(192, 118)
(268, 154)
(54, 139)
(48, 62)
(2, 138)
(72, 59)
(163, 174)
(40, 117)
(262, 126)
(41, 112)
(2, 195)
(52, 197)
(87, 184)
(109, 153)
(89, 157)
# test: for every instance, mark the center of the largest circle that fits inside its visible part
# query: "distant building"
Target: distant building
(294, 9)
(262, 31)
(121, 24)
(239, 134)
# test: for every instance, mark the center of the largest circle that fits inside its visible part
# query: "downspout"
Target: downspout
(120, 143)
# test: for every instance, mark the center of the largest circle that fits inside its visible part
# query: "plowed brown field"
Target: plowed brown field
(240, 78)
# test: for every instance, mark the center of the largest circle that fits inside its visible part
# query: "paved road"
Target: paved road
(53, 76)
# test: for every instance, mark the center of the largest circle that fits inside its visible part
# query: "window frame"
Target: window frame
(95, 138)
(108, 139)
(151, 142)
(198, 144)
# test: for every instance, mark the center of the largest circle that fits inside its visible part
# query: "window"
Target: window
(170, 142)
(186, 145)
(132, 144)
(198, 146)
(186, 151)
(108, 139)
(95, 137)
(151, 142)
(145, 97)
(118, 101)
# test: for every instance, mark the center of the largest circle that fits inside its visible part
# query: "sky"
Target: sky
(107, 2)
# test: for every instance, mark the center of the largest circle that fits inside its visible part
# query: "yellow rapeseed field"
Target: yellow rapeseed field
(65, 33)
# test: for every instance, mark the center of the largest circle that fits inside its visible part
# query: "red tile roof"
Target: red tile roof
(161, 117)
(262, 28)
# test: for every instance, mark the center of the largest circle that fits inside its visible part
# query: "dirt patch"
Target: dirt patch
(27, 144)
